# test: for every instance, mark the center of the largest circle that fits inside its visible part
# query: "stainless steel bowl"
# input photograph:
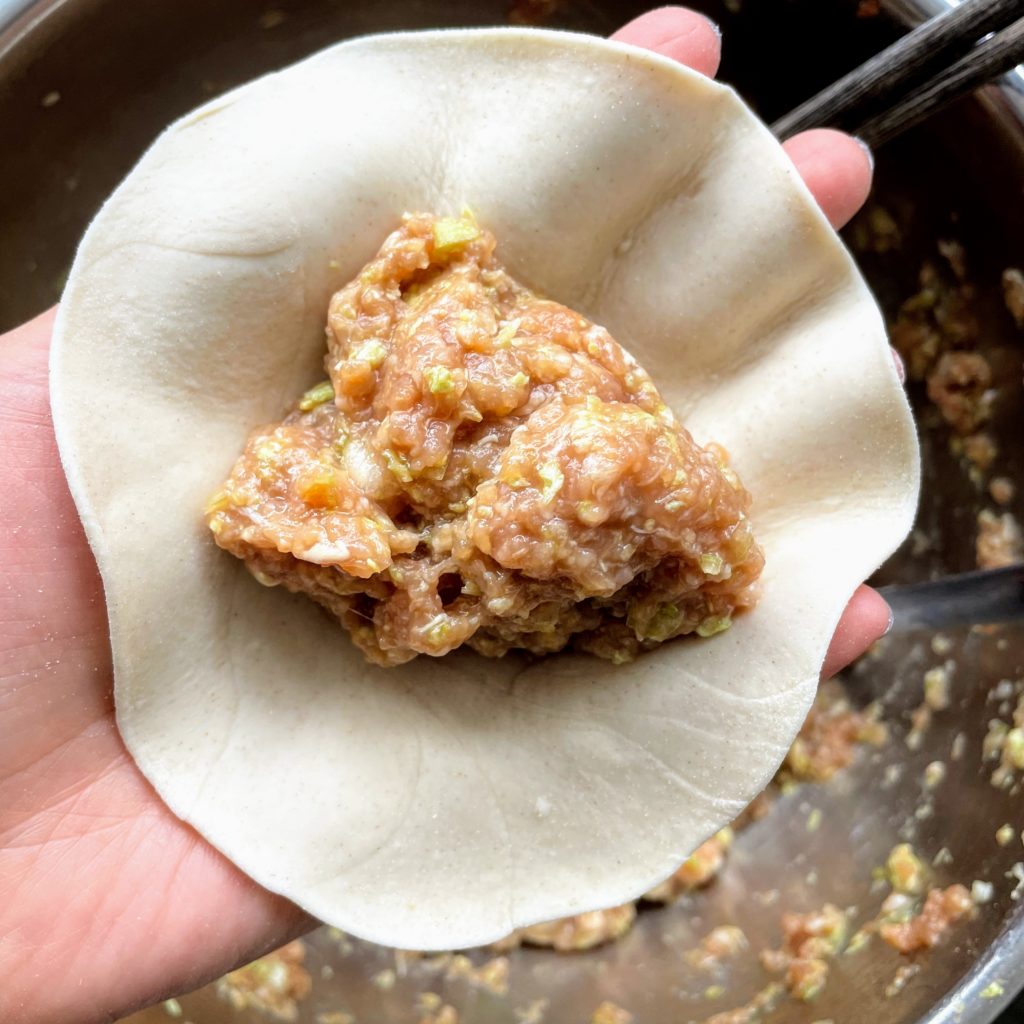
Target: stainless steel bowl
(86, 84)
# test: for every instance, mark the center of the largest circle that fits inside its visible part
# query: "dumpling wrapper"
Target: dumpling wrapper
(444, 803)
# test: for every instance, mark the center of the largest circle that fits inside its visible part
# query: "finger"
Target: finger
(33, 334)
(836, 168)
(677, 33)
(866, 618)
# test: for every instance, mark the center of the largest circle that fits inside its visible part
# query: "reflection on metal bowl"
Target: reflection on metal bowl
(71, 125)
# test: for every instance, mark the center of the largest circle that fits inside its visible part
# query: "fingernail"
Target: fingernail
(889, 624)
(716, 27)
(901, 367)
(867, 152)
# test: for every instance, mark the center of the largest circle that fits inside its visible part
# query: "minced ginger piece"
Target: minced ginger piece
(489, 468)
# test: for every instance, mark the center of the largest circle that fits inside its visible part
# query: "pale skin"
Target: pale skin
(107, 901)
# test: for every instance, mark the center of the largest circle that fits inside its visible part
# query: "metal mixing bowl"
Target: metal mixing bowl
(86, 84)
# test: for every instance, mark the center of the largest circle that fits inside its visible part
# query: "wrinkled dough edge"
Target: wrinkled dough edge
(330, 909)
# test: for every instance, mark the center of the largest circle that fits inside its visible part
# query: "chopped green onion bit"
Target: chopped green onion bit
(714, 624)
(371, 352)
(439, 380)
(315, 396)
(453, 233)
(711, 563)
(552, 478)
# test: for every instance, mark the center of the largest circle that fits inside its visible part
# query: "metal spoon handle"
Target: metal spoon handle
(968, 599)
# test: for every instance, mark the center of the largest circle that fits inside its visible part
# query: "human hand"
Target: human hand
(107, 901)
(837, 171)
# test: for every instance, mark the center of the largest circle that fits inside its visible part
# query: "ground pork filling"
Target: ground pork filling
(486, 467)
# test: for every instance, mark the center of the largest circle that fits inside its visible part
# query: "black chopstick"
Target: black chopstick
(888, 77)
(995, 56)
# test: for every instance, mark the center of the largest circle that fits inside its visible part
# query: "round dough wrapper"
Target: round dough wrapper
(446, 802)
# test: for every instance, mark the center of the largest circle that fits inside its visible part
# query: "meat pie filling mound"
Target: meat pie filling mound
(486, 467)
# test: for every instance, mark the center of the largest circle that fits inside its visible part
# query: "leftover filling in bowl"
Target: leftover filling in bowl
(486, 467)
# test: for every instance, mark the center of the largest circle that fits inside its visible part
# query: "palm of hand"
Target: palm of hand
(95, 872)
(108, 901)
